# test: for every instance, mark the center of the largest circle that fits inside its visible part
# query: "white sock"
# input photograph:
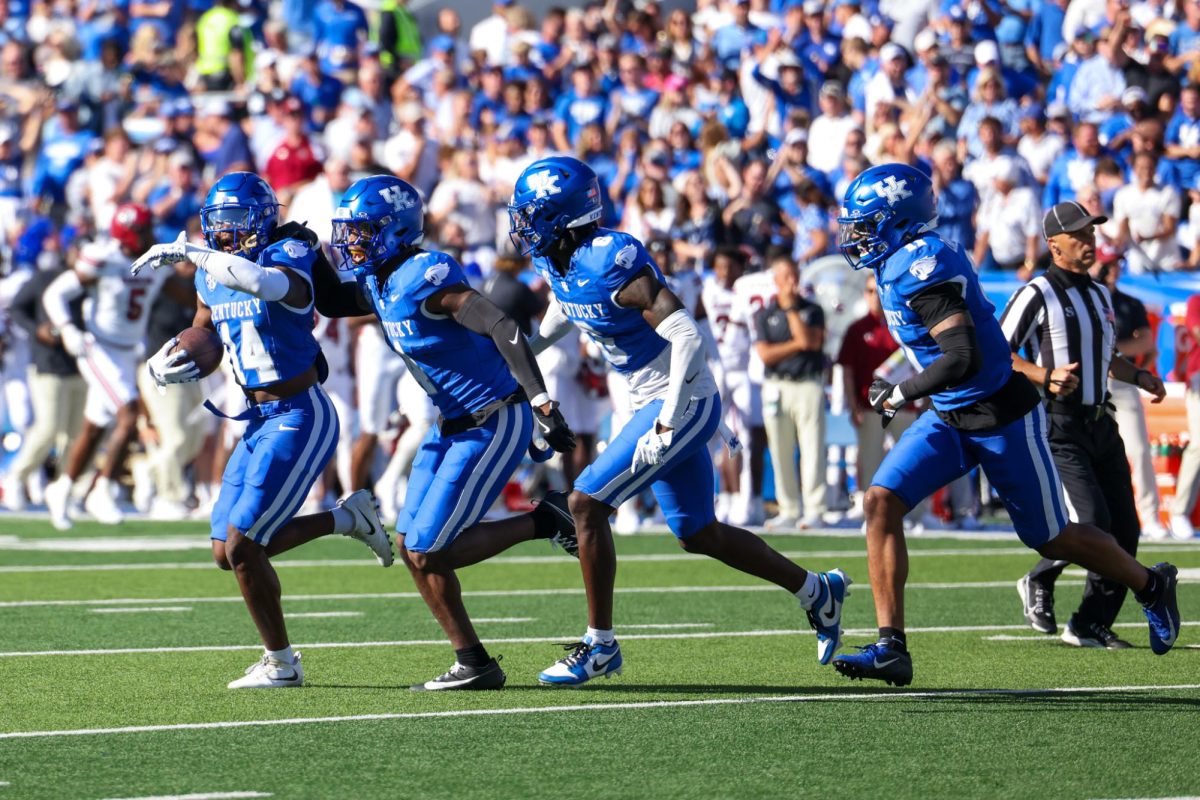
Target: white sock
(811, 590)
(283, 656)
(602, 636)
(343, 520)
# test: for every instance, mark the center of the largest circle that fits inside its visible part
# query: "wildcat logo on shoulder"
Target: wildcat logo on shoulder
(922, 268)
(210, 282)
(437, 273)
(295, 249)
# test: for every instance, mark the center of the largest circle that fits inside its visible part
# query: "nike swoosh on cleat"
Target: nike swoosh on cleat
(599, 665)
(877, 665)
(830, 616)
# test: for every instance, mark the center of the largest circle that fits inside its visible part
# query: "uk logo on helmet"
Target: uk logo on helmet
(397, 198)
(544, 183)
(891, 189)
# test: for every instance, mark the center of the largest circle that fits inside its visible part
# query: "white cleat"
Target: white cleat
(101, 505)
(267, 673)
(58, 502)
(781, 523)
(368, 529)
(14, 493)
(164, 510)
(1181, 528)
(1155, 531)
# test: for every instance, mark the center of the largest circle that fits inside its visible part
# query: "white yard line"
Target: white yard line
(230, 648)
(200, 796)
(654, 704)
(322, 614)
(755, 587)
(139, 609)
(651, 626)
(326, 563)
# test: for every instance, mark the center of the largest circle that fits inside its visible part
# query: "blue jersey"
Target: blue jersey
(267, 342)
(599, 269)
(460, 370)
(919, 265)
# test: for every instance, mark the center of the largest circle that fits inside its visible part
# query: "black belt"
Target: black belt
(1078, 410)
(457, 425)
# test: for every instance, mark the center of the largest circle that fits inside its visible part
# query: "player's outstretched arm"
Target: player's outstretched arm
(476, 313)
(336, 298)
(240, 274)
(945, 315)
(554, 326)
(663, 311)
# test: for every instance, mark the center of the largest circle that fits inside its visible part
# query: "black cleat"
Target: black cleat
(463, 678)
(555, 504)
(1093, 635)
(1037, 601)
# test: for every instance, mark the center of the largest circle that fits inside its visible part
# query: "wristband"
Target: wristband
(1046, 383)
(1137, 378)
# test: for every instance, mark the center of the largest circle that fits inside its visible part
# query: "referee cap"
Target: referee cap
(1067, 218)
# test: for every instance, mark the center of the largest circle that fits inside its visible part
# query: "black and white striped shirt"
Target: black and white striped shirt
(1061, 318)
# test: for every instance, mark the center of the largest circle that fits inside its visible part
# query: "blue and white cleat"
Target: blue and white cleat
(826, 616)
(1163, 615)
(585, 661)
(881, 661)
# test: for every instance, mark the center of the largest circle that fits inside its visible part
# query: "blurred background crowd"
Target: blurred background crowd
(723, 132)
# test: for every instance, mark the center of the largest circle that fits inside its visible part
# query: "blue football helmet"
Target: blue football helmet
(552, 196)
(379, 217)
(885, 208)
(240, 214)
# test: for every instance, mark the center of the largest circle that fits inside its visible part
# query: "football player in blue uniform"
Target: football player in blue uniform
(255, 289)
(480, 373)
(983, 414)
(605, 283)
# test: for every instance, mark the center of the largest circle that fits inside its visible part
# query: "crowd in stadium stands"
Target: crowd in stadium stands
(726, 133)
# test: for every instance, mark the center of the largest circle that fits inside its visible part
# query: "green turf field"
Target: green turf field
(115, 652)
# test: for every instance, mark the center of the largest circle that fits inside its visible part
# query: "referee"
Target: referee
(1060, 326)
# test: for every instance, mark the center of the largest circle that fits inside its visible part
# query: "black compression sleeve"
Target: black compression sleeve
(480, 315)
(960, 361)
(333, 296)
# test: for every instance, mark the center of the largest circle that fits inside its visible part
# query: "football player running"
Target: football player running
(108, 349)
(478, 369)
(254, 286)
(983, 414)
(605, 283)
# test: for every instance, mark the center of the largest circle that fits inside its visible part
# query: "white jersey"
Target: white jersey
(733, 340)
(688, 287)
(750, 293)
(334, 337)
(116, 308)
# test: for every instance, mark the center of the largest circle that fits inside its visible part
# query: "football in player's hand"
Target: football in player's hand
(204, 347)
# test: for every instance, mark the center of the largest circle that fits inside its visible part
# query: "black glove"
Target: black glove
(879, 393)
(296, 230)
(554, 429)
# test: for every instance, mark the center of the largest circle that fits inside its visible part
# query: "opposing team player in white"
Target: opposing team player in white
(108, 348)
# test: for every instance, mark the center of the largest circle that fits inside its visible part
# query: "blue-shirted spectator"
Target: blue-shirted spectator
(1016, 84)
(1183, 136)
(1185, 38)
(63, 148)
(729, 41)
(232, 152)
(789, 89)
(1044, 36)
(791, 167)
(1074, 168)
(582, 105)
(1095, 93)
(490, 95)
(956, 198)
(318, 91)
(175, 202)
(817, 48)
(1116, 132)
(988, 100)
(165, 16)
(108, 21)
(632, 101)
(1082, 48)
(805, 212)
(340, 27)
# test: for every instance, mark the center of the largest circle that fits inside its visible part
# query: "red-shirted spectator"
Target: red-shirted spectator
(866, 345)
(295, 161)
(1189, 468)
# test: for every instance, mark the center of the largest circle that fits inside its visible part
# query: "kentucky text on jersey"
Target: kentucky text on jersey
(238, 309)
(584, 311)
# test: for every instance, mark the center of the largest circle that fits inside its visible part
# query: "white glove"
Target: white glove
(166, 367)
(161, 255)
(74, 341)
(732, 443)
(651, 448)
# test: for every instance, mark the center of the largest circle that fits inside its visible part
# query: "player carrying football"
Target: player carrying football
(255, 290)
(478, 369)
(606, 284)
(983, 414)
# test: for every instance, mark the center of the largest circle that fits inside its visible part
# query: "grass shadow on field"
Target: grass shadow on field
(1010, 701)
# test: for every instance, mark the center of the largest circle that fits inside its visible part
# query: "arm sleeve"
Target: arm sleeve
(478, 314)
(240, 274)
(335, 297)
(58, 296)
(687, 359)
(960, 360)
(554, 326)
